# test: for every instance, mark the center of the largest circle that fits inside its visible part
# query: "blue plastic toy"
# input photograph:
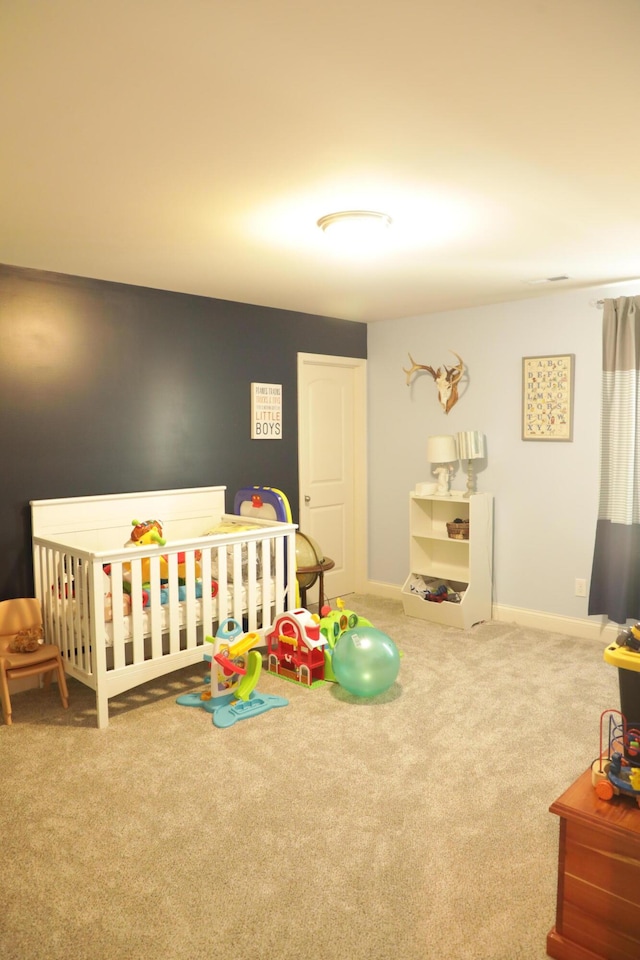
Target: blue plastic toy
(235, 671)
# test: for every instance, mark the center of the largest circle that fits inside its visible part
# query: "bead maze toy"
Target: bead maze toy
(616, 771)
(333, 624)
(235, 670)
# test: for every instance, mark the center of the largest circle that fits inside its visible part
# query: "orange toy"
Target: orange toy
(147, 531)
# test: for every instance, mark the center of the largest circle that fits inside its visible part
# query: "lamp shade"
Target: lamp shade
(441, 449)
(471, 445)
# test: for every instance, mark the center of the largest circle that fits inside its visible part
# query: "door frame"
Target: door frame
(360, 449)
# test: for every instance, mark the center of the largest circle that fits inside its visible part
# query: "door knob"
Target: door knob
(307, 498)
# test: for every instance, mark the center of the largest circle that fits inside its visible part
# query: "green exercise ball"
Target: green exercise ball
(365, 661)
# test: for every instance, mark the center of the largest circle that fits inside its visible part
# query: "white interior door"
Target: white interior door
(332, 466)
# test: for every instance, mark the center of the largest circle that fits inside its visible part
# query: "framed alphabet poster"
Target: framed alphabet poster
(547, 397)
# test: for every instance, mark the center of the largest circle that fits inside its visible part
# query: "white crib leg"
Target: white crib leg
(102, 707)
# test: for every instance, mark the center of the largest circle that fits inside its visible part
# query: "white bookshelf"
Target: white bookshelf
(466, 565)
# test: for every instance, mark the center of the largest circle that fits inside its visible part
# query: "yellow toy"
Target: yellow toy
(149, 532)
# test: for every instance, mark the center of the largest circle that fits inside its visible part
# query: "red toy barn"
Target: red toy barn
(295, 647)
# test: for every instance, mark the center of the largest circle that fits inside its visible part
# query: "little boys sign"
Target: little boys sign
(266, 411)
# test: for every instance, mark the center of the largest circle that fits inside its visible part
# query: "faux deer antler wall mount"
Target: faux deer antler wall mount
(446, 379)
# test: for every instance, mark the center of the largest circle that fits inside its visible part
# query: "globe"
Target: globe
(308, 554)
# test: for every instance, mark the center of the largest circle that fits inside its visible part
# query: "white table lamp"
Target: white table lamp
(442, 453)
(471, 446)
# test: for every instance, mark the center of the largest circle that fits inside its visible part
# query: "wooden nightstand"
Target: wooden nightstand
(598, 904)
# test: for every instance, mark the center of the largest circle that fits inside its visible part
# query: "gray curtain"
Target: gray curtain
(615, 577)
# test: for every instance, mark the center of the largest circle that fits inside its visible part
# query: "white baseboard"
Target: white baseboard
(390, 591)
(591, 628)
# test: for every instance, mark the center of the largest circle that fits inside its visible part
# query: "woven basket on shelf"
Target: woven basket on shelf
(458, 529)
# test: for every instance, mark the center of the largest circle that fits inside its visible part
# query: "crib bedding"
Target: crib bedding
(165, 613)
(122, 616)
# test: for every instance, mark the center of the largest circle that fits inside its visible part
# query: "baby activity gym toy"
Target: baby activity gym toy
(235, 671)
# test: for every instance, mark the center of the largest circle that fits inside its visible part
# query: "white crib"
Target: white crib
(117, 628)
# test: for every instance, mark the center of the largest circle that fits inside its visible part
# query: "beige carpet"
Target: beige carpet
(411, 826)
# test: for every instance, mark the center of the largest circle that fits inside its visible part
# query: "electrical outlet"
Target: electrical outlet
(581, 587)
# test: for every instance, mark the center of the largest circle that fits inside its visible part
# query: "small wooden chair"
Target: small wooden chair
(22, 614)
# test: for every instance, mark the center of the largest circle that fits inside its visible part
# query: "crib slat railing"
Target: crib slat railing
(266, 586)
(44, 591)
(42, 585)
(208, 604)
(291, 599)
(73, 594)
(280, 604)
(155, 607)
(191, 636)
(77, 601)
(174, 600)
(96, 650)
(59, 588)
(137, 610)
(118, 620)
(252, 585)
(223, 588)
(237, 607)
(68, 599)
(44, 588)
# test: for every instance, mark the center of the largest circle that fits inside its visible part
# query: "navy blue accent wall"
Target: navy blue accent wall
(109, 388)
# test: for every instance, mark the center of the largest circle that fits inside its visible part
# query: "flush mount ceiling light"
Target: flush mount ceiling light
(364, 219)
(355, 229)
(534, 283)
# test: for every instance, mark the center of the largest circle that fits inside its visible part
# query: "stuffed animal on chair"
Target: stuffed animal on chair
(21, 627)
(26, 641)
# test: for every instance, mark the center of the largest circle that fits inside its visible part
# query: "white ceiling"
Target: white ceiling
(191, 145)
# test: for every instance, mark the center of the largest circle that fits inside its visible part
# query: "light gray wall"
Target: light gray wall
(546, 493)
